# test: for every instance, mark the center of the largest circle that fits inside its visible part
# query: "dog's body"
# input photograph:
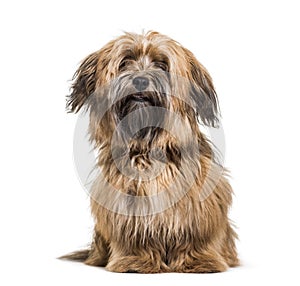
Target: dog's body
(168, 213)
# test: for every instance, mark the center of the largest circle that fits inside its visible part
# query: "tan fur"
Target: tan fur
(192, 235)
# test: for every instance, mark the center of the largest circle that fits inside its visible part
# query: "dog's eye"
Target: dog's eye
(125, 62)
(162, 65)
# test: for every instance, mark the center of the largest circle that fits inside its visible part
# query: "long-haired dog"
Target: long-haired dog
(161, 199)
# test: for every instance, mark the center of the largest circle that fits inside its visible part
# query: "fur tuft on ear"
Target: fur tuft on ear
(84, 81)
(203, 92)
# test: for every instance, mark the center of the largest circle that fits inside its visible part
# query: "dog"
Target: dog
(161, 199)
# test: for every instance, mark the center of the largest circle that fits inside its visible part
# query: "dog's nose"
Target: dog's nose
(140, 83)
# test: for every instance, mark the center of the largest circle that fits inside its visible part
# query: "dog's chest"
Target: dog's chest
(165, 226)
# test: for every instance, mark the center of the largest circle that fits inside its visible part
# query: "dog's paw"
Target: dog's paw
(199, 264)
(135, 264)
(203, 267)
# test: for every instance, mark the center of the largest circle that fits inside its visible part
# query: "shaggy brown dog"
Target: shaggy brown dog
(161, 200)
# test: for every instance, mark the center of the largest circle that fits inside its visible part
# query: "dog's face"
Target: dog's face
(134, 72)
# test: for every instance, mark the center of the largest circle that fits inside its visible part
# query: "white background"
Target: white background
(251, 49)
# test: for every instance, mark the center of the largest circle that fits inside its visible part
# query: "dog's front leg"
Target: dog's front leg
(192, 260)
(141, 261)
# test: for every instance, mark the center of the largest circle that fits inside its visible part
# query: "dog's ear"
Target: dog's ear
(202, 92)
(84, 82)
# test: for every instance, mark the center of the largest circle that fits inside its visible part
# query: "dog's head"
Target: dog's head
(134, 72)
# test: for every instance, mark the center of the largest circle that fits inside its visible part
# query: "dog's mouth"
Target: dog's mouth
(134, 116)
(139, 97)
(136, 101)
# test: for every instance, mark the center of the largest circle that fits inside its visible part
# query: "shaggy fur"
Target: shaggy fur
(191, 234)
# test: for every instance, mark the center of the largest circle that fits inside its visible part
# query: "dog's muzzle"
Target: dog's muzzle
(138, 100)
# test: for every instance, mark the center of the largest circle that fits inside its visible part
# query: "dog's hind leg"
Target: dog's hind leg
(98, 255)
